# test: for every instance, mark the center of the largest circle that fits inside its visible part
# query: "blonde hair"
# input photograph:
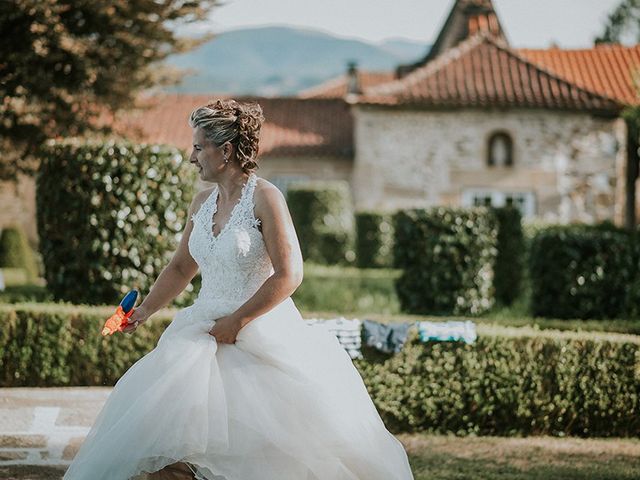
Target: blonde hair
(231, 121)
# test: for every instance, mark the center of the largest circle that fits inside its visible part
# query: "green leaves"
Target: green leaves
(104, 226)
(448, 257)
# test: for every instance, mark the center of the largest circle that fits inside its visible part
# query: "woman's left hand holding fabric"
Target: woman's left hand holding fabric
(226, 329)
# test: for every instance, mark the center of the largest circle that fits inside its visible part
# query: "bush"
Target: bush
(323, 217)
(15, 252)
(511, 381)
(509, 268)
(580, 271)
(109, 216)
(447, 256)
(374, 239)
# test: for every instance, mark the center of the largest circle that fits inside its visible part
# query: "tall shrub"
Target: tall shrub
(448, 257)
(578, 271)
(15, 252)
(109, 216)
(509, 267)
(374, 239)
(322, 213)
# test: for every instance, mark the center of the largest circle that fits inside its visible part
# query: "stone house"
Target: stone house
(479, 122)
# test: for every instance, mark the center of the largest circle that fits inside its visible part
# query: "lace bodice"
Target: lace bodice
(235, 263)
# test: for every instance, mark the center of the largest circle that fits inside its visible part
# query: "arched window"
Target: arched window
(500, 151)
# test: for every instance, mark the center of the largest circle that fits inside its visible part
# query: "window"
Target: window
(500, 150)
(523, 201)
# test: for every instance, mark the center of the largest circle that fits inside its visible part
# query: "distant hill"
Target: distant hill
(282, 60)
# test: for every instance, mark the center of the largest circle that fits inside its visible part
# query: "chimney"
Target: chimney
(353, 83)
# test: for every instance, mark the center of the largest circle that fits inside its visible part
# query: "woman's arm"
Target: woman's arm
(283, 248)
(175, 277)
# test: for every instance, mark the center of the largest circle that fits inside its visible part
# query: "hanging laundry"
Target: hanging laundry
(348, 332)
(447, 331)
(388, 338)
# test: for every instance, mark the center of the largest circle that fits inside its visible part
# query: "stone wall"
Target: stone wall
(572, 163)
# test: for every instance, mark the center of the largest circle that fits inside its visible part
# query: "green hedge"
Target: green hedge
(580, 271)
(323, 217)
(511, 381)
(374, 239)
(109, 216)
(15, 252)
(447, 256)
(509, 267)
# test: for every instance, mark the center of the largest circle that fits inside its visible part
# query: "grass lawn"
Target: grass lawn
(436, 457)
(533, 458)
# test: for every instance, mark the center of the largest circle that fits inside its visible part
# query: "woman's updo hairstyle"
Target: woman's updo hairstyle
(230, 121)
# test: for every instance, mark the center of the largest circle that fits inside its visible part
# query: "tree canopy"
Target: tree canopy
(64, 62)
(622, 23)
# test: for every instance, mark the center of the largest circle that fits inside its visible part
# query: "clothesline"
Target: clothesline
(391, 337)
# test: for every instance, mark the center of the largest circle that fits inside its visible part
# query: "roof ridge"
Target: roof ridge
(444, 59)
(595, 48)
(433, 66)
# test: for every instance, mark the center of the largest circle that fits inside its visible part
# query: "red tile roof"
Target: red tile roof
(296, 127)
(483, 72)
(337, 87)
(611, 70)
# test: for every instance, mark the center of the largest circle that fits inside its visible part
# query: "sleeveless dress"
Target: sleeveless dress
(285, 402)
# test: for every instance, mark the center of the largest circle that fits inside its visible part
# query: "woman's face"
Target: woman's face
(206, 157)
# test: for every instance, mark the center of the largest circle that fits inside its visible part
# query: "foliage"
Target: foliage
(109, 216)
(511, 381)
(581, 271)
(63, 62)
(323, 217)
(623, 21)
(374, 239)
(15, 252)
(509, 268)
(448, 257)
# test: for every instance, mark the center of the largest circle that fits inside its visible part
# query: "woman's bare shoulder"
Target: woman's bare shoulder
(199, 198)
(266, 192)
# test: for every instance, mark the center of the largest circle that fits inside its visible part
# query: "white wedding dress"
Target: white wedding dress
(285, 402)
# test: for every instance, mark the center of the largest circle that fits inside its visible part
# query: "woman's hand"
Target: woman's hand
(137, 318)
(225, 329)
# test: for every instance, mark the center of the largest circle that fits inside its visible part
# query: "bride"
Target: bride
(238, 387)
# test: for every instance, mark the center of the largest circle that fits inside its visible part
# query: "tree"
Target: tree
(623, 22)
(65, 62)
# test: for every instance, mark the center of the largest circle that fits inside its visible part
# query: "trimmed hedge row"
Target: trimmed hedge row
(323, 217)
(512, 381)
(582, 271)
(448, 257)
(109, 216)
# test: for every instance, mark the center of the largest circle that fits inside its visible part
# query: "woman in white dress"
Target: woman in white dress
(238, 387)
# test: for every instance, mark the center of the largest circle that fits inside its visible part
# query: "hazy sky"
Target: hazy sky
(530, 23)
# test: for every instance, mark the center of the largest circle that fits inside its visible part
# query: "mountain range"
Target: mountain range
(282, 60)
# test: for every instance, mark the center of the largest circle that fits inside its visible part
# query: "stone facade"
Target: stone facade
(566, 166)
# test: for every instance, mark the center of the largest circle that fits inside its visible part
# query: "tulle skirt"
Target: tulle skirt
(285, 402)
